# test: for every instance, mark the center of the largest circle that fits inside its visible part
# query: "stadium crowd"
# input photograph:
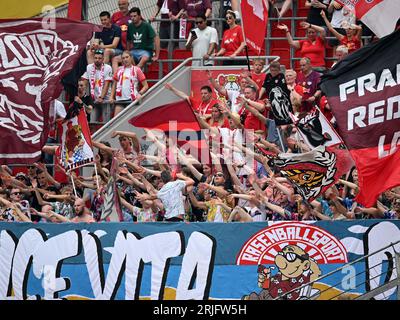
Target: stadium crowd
(170, 185)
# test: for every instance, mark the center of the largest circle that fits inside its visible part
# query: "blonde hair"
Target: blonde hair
(235, 116)
(259, 60)
(291, 71)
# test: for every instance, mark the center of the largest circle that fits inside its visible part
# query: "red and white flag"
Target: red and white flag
(254, 23)
(35, 56)
(177, 121)
(380, 16)
(76, 142)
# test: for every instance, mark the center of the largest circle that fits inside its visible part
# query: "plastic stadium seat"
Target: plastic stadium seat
(180, 54)
(329, 52)
(302, 12)
(300, 32)
(288, 13)
(23, 169)
(279, 44)
(329, 63)
(275, 32)
(301, 4)
(284, 54)
(163, 54)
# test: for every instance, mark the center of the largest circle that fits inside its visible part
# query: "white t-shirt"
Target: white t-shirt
(232, 96)
(59, 109)
(342, 16)
(108, 76)
(138, 77)
(257, 214)
(231, 137)
(202, 43)
(218, 215)
(171, 197)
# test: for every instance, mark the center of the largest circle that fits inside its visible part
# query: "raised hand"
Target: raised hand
(304, 25)
(283, 27)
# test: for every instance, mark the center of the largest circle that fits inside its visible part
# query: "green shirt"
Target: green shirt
(141, 36)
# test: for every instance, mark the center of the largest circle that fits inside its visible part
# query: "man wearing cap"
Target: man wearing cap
(20, 176)
(99, 76)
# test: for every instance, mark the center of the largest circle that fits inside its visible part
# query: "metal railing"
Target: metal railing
(162, 81)
(368, 295)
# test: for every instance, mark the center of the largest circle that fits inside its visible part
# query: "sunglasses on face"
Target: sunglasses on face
(291, 256)
(229, 17)
(219, 175)
(199, 22)
(16, 193)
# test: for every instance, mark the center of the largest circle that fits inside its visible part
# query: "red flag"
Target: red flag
(254, 23)
(34, 59)
(379, 15)
(75, 9)
(363, 91)
(178, 120)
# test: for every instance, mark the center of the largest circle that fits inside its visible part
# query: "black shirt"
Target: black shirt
(278, 95)
(314, 15)
(108, 35)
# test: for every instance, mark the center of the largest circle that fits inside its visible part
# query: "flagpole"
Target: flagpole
(298, 140)
(244, 37)
(73, 185)
(97, 178)
(280, 139)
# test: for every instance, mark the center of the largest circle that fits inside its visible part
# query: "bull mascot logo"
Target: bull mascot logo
(281, 105)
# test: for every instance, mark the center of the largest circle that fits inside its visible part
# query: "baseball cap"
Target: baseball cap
(21, 175)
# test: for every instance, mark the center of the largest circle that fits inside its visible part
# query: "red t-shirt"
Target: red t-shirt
(315, 52)
(322, 105)
(232, 40)
(299, 89)
(251, 121)
(258, 78)
(122, 21)
(201, 107)
(352, 45)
